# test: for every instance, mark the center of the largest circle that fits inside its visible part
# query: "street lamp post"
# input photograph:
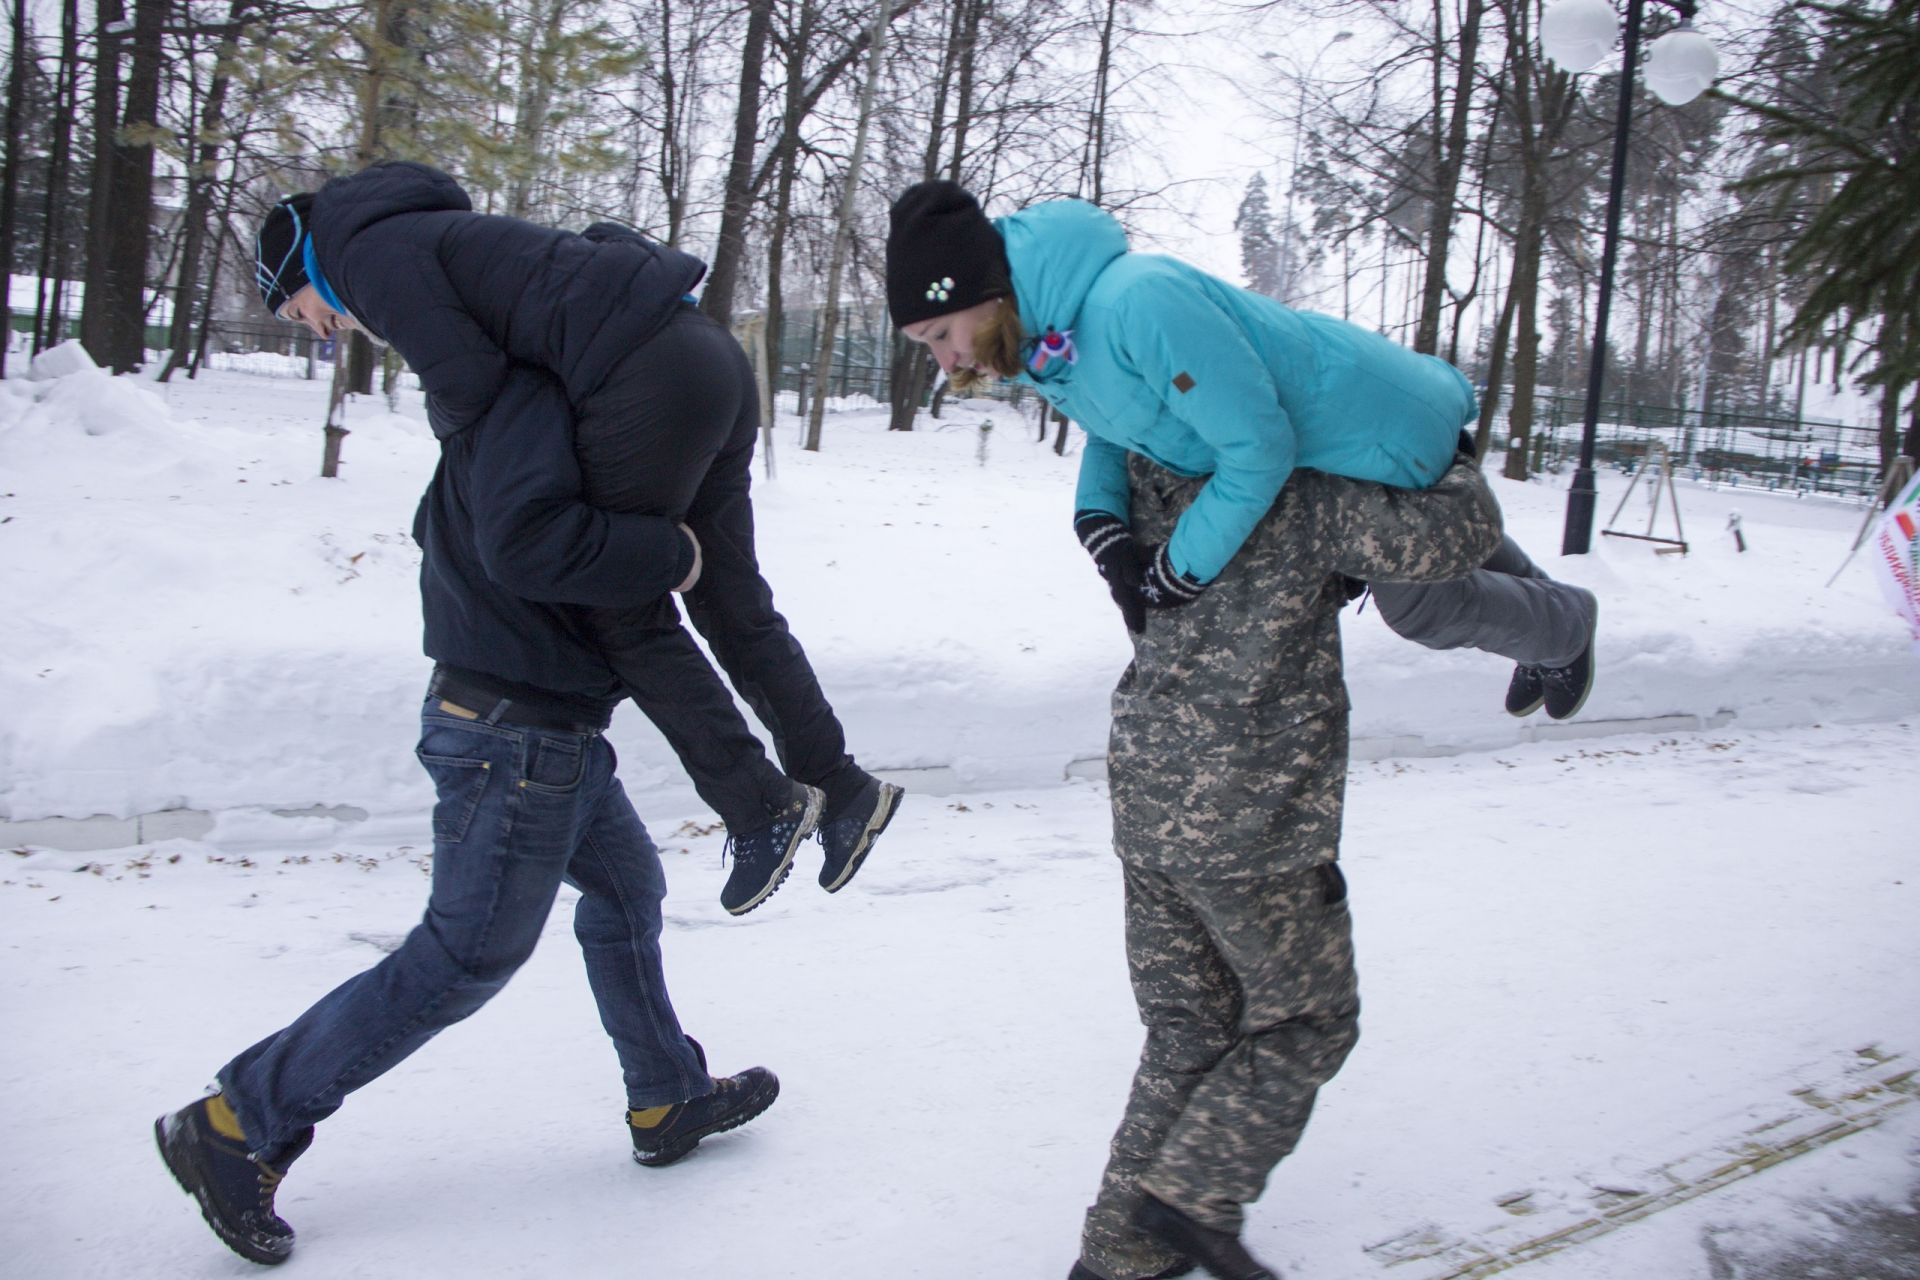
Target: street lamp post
(1577, 34)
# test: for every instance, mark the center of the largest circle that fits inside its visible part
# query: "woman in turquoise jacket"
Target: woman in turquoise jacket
(1154, 357)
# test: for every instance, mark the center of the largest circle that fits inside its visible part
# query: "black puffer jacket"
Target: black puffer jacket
(508, 326)
(462, 295)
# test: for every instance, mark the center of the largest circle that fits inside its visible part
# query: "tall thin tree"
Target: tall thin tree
(843, 232)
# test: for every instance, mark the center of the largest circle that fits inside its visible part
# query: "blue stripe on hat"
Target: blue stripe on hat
(271, 282)
(319, 281)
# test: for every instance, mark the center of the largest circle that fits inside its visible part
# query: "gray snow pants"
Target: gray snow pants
(1508, 606)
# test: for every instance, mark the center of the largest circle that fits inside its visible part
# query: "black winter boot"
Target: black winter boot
(205, 1149)
(1566, 688)
(1218, 1254)
(1526, 691)
(1081, 1271)
(662, 1135)
(849, 835)
(763, 857)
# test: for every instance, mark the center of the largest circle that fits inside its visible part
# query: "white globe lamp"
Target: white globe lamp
(1681, 65)
(1577, 34)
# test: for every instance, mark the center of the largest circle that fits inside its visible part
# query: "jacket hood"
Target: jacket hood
(1056, 251)
(347, 206)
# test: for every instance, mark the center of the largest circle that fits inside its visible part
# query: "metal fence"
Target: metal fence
(1732, 447)
(862, 361)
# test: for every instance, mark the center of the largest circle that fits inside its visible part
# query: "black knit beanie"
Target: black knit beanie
(942, 254)
(279, 258)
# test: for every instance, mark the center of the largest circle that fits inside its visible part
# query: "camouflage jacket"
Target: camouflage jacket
(1228, 754)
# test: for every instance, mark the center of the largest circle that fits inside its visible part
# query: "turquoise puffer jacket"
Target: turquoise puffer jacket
(1208, 379)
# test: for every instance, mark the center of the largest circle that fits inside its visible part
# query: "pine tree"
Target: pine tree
(1859, 249)
(1259, 251)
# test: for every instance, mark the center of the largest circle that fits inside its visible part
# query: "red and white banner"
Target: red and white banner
(1896, 555)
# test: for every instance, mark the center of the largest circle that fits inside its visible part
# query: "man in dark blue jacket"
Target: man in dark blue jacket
(524, 680)
(652, 421)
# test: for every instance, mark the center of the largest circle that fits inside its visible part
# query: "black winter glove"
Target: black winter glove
(1117, 556)
(1164, 586)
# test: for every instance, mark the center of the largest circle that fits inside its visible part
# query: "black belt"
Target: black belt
(466, 699)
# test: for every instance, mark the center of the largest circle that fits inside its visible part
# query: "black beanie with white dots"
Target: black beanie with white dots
(943, 255)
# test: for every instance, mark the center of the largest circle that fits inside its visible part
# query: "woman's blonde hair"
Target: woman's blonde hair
(997, 343)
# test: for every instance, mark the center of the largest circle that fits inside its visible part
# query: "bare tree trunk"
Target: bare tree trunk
(201, 184)
(911, 373)
(1526, 347)
(723, 276)
(130, 208)
(94, 331)
(1451, 157)
(1642, 340)
(1912, 445)
(1673, 356)
(942, 90)
(1539, 101)
(1465, 300)
(1496, 375)
(787, 161)
(48, 312)
(914, 371)
(336, 428)
(535, 100)
(844, 231)
(1890, 423)
(1093, 161)
(204, 328)
(676, 119)
(965, 60)
(1769, 291)
(910, 370)
(389, 114)
(10, 188)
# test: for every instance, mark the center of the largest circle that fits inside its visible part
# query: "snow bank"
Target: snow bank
(195, 620)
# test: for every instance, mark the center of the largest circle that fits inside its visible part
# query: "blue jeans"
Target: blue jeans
(519, 810)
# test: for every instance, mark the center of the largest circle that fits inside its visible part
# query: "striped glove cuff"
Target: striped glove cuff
(1100, 532)
(1164, 587)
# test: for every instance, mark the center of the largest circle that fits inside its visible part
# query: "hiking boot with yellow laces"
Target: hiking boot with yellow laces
(662, 1135)
(206, 1150)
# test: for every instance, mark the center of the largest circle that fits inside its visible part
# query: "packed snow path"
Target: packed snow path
(1581, 964)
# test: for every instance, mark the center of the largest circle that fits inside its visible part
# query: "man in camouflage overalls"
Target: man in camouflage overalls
(1228, 765)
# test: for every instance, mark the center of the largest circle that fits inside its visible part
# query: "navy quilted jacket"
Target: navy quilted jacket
(508, 325)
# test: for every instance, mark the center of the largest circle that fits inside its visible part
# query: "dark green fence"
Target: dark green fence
(1732, 447)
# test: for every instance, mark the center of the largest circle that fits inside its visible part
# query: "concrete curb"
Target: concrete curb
(89, 834)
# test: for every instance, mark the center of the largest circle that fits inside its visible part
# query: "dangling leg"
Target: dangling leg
(1508, 606)
(733, 608)
(646, 440)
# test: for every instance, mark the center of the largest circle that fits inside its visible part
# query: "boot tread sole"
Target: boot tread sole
(237, 1241)
(808, 822)
(890, 797)
(755, 1106)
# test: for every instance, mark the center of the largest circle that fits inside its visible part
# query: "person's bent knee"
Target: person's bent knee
(473, 973)
(1313, 1046)
(1186, 1045)
(1419, 612)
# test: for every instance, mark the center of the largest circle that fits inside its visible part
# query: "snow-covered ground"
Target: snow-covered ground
(196, 621)
(1603, 963)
